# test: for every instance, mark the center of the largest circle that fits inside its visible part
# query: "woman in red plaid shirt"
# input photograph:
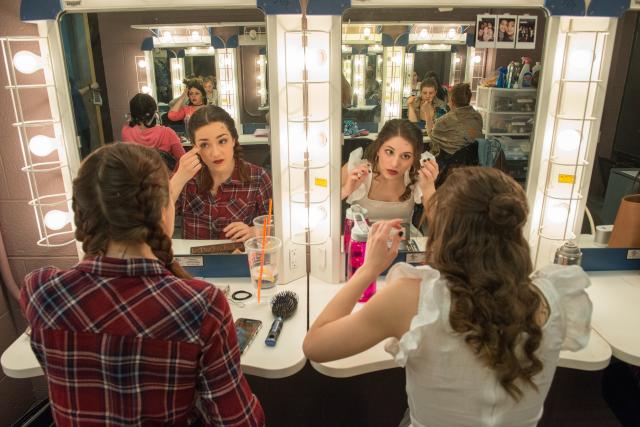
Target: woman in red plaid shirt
(126, 336)
(217, 192)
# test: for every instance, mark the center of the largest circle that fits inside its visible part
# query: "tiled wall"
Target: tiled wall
(19, 228)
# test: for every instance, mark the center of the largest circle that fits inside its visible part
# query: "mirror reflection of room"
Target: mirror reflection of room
(142, 77)
(448, 77)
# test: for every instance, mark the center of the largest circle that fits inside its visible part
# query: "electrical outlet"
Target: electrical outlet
(293, 259)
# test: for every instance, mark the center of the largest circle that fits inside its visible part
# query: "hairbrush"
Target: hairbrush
(283, 305)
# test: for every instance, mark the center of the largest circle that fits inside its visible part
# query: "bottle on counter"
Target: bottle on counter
(568, 254)
(516, 73)
(535, 74)
(348, 222)
(524, 79)
(509, 78)
(357, 249)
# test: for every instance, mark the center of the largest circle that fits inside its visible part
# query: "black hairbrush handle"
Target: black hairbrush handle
(274, 332)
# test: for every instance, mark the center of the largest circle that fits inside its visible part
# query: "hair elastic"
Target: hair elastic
(241, 295)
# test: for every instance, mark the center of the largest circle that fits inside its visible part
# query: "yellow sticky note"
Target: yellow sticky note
(321, 182)
(566, 179)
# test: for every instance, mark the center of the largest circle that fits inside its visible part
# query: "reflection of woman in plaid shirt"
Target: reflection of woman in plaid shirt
(219, 200)
(126, 336)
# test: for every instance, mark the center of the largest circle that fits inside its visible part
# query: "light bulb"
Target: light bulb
(423, 34)
(145, 89)
(193, 49)
(557, 214)
(142, 63)
(259, 77)
(457, 60)
(317, 214)
(211, 49)
(366, 31)
(315, 58)
(56, 220)
(41, 145)
(476, 59)
(569, 140)
(195, 36)
(451, 33)
(177, 81)
(581, 59)
(166, 37)
(27, 62)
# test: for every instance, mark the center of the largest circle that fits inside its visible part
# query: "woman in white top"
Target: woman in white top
(478, 334)
(391, 181)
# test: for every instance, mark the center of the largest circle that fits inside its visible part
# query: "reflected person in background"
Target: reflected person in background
(194, 95)
(478, 334)
(144, 129)
(178, 362)
(426, 108)
(216, 191)
(442, 92)
(391, 178)
(459, 127)
(209, 84)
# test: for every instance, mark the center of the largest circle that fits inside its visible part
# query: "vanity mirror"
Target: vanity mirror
(167, 65)
(391, 53)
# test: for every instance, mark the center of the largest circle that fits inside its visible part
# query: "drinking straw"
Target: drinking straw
(264, 242)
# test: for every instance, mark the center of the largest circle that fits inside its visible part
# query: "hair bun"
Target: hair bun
(506, 210)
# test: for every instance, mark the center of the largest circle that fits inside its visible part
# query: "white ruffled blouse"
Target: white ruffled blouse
(377, 209)
(448, 385)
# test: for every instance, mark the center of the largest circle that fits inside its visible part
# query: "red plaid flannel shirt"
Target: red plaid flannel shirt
(206, 215)
(124, 342)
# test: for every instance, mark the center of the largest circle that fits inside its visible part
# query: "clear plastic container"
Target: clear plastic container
(355, 256)
(348, 223)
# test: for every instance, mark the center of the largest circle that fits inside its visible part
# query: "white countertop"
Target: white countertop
(616, 311)
(285, 359)
(594, 357)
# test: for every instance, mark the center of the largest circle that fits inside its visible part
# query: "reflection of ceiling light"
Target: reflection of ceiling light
(451, 33)
(195, 36)
(366, 31)
(423, 34)
(457, 60)
(27, 62)
(177, 81)
(166, 37)
(193, 49)
(142, 63)
(476, 59)
(145, 89)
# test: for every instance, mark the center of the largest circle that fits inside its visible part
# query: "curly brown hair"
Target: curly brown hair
(118, 195)
(475, 239)
(408, 131)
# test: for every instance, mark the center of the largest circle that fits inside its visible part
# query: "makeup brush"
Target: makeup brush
(283, 305)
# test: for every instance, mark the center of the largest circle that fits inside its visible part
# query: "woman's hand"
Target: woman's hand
(379, 254)
(427, 175)
(354, 179)
(239, 231)
(189, 165)
(410, 101)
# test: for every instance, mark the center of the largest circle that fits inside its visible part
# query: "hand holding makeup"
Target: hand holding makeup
(356, 178)
(427, 176)
(379, 254)
(189, 165)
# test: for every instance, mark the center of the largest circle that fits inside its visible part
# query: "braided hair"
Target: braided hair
(119, 195)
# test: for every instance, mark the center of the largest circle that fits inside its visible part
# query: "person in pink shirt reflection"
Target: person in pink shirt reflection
(143, 128)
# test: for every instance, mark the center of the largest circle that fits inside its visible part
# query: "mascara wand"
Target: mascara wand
(283, 305)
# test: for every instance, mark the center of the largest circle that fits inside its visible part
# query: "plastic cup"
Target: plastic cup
(259, 222)
(271, 266)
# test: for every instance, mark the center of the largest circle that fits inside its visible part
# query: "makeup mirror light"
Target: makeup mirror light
(393, 51)
(111, 57)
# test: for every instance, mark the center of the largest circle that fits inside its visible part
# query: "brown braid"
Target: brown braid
(119, 195)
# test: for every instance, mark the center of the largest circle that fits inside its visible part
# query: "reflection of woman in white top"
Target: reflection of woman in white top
(479, 335)
(391, 180)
